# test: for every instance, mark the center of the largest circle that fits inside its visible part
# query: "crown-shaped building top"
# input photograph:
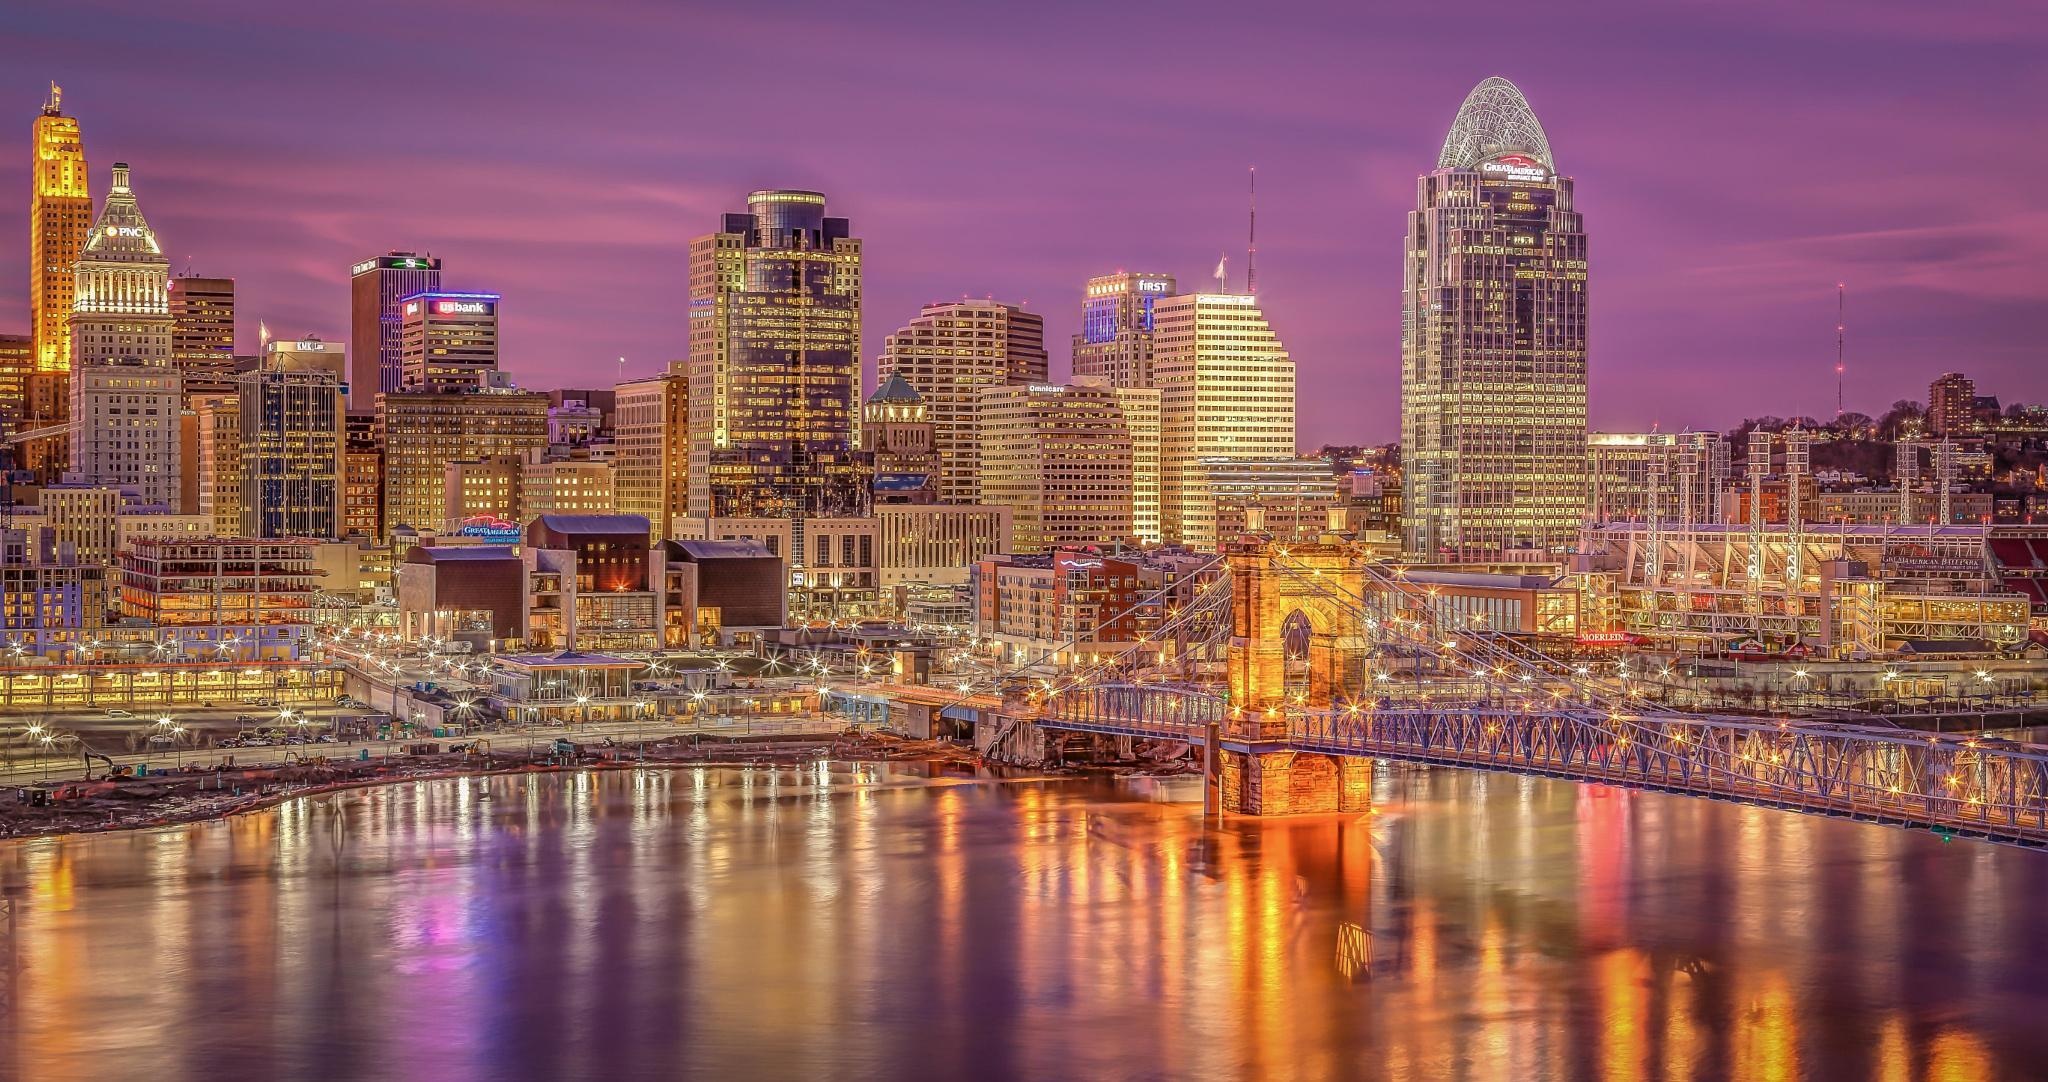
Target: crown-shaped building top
(896, 389)
(1495, 120)
(121, 233)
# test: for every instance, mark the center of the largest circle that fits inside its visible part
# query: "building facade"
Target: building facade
(1493, 352)
(376, 286)
(218, 447)
(952, 352)
(125, 398)
(421, 432)
(1672, 476)
(651, 447)
(897, 431)
(447, 341)
(1115, 343)
(222, 599)
(1226, 389)
(1951, 406)
(775, 316)
(292, 428)
(1060, 458)
(203, 334)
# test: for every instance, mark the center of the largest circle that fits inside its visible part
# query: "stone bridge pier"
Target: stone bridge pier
(1293, 783)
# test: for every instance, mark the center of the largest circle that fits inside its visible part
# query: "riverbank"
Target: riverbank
(200, 793)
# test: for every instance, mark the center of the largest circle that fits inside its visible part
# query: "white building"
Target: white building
(950, 353)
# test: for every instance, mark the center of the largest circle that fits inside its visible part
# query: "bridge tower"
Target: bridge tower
(1270, 586)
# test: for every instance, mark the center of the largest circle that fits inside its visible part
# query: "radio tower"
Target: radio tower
(1841, 309)
(1251, 249)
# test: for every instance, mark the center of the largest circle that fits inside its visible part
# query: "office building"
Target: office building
(936, 543)
(553, 483)
(1493, 342)
(17, 364)
(896, 429)
(124, 397)
(1115, 343)
(376, 286)
(447, 341)
(362, 499)
(1951, 404)
(203, 334)
(651, 447)
(1226, 391)
(482, 492)
(60, 219)
(1141, 416)
(292, 430)
(218, 448)
(1060, 458)
(950, 353)
(222, 599)
(422, 431)
(775, 311)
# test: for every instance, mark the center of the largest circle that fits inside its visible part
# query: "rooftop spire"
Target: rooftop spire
(54, 104)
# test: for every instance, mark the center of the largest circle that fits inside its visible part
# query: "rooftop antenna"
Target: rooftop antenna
(1251, 250)
(1223, 274)
(1841, 324)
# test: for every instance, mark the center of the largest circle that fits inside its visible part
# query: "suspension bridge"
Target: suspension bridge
(1293, 669)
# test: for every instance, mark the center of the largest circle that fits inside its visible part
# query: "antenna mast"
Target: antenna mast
(1251, 250)
(1841, 322)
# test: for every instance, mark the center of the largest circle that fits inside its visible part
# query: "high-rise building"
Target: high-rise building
(292, 431)
(447, 341)
(375, 288)
(1226, 391)
(950, 353)
(60, 217)
(1115, 343)
(775, 309)
(1060, 458)
(125, 397)
(203, 333)
(896, 428)
(422, 431)
(1951, 405)
(362, 500)
(1493, 342)
(651, 448)
(571, 484)
(218, 448)
(1141, 416)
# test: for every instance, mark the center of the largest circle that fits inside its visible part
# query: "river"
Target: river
(866, 921)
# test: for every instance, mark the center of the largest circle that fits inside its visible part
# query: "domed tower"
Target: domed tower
(897, 429)
(1493, 343)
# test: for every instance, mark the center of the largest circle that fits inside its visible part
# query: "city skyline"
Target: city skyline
(1740, 243)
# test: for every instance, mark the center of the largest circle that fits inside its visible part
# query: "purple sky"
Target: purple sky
(1734, 160)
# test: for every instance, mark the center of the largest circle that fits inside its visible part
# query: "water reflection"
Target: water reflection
(864, 921)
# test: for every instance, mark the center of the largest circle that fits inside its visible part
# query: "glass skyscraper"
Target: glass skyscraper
(1493, 343)
(775, 306)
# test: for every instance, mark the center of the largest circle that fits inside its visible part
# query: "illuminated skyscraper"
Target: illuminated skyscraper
(60, 217)
(950, 353)
(422, 431)
(651, 448)
(447, 341)
(375, 288)
(1226, 391)
(17, 362)
(125, 396)
(1115, 343)
(1493, 342)
(291, 430)
(775, 300)
(203, 333)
